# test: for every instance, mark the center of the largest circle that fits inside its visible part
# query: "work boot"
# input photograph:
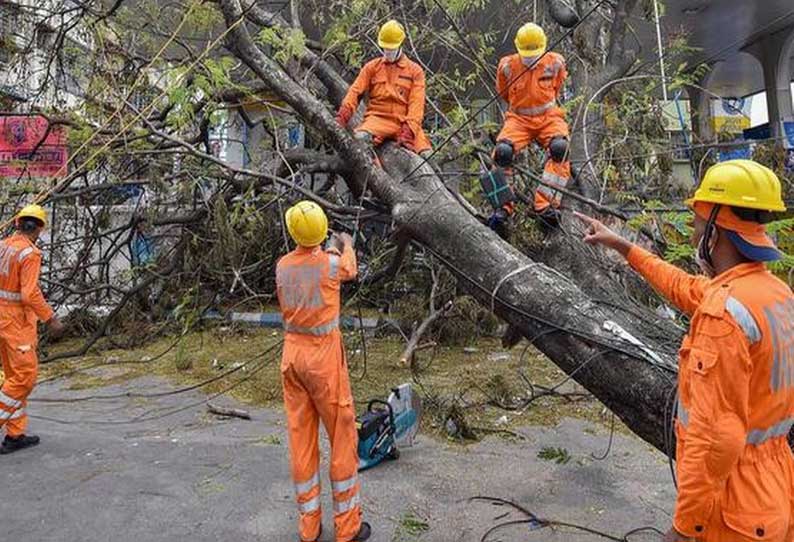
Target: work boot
(548, 219)
(512, 337)
(13, 444)
(498, 223)
(364, 532)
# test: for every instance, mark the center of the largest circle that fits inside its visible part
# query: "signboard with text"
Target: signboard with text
(28, 149)
(731, 115)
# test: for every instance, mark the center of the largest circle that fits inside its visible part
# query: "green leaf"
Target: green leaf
(558, 455)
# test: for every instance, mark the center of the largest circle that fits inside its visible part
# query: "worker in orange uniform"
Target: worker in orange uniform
(314, 372)
(22, 305)
(529, 82)
(396, 87)
(736, 367)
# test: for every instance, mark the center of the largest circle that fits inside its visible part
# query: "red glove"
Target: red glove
(344, 115)
(406, 135)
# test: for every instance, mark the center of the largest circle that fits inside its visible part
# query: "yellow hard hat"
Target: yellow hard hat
(33, 211)
(391, 35)
(307, 223)
(530, 40)
(740, 183)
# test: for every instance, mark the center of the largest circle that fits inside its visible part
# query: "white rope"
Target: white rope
(507, 276)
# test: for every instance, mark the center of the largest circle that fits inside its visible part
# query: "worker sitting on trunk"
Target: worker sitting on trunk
(529, 82)
(314, 372)
(396, 87)
(22, 306)
(735, 388)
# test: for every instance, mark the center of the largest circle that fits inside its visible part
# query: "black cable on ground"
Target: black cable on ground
(109, 363)
(143, 418)
(537, 523)
(138, 395)
(609, 445)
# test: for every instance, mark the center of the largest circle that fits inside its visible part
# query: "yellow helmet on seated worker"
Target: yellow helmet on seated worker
(32, 211)
(737, 186)
(530, 40)
(741, 183)
(307, 223)
(391, 35)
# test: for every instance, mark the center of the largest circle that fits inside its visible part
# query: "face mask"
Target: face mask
(391, 55)
(700, 258)
(529, 60)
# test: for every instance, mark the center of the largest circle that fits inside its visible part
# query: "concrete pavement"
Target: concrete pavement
(185, 475)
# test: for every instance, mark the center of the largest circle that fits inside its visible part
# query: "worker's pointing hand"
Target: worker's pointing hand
(596, 233)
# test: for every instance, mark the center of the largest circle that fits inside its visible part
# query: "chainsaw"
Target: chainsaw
(388, 425)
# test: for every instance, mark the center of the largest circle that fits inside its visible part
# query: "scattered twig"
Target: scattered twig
(228, 412)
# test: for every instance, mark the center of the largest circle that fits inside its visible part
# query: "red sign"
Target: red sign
(28, 150)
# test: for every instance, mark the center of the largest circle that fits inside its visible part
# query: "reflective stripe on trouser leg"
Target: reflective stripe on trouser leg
(346, 506)
(6, 415)
(554, 175)
(307, 494)
(9, 402)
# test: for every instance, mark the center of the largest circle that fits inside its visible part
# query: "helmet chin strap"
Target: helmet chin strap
(705, 250)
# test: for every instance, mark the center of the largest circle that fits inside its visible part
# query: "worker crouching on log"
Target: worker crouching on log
(22, 306)
(396, 88)
(530, 82)
(736, 367)
(314, 372)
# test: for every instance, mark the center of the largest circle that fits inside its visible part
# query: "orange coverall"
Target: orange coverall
(736, 401)
(533, 115)
(396, 96)
(317, 386)
(21, 306)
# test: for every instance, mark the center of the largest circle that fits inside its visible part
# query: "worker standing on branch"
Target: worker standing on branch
(736, 368)
(314, 372)
(22, 306)
(529, 82)
(396, 87)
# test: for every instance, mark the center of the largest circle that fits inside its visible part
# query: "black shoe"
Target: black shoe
(11, 444)
(364, 532)
(498, 222)
(512, 337)
(549, 219)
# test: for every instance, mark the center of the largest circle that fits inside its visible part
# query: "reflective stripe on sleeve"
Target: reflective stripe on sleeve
(25, 253)
(344, 485)
(333, 266)
(744, 319)
(305, 487)
(346, 506)
(324, 329)
(10, 402)
(309, 506)
(10, 296)
(780, 429)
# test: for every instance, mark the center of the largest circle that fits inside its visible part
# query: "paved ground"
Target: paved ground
(193, 477)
